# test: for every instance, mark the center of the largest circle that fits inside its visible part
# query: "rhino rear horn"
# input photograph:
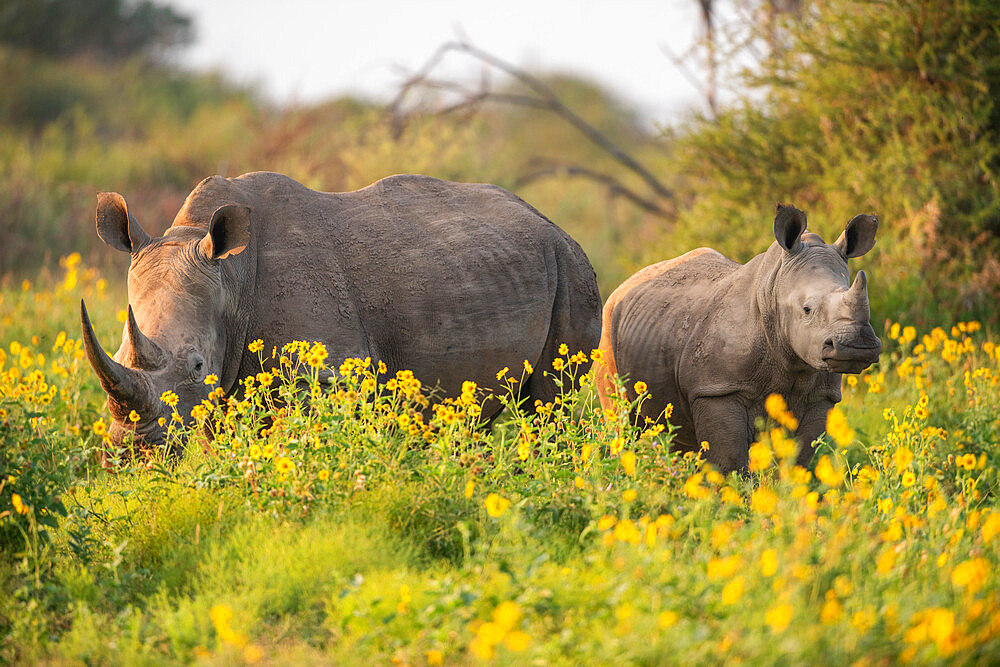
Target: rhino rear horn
(856, 297)
(144, 353)
(125, 386)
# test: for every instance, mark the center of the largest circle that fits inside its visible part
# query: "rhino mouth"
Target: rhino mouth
(851, 355)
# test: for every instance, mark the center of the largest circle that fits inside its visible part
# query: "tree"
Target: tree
(105, 29)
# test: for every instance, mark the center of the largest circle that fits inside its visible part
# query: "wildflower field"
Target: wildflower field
(350, 528)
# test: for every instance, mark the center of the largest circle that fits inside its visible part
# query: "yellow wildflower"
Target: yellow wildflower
(626, 531)
(778, 410)
(628, 462)
(730, 496)
(284, 465)
(506, 615)
(666, 619)
(778, 617)
(496, 505)
(991, 527)
(693, 487)
(517, 641)
(640, 388)
(470, 488)
(732, 591)
(629, 495)
(760, 456)
(323, 475)
(133, 416)
(885, 561)
(828, 473)
(769, 562)
(837, 427)
(903, 457)
(256, 346)
(832, 610)
(723, 568)
(18, 504)
(763, 500)
(971, 574)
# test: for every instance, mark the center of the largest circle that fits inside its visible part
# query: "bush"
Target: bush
(868, 107)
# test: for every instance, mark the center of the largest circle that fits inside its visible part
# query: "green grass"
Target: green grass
(345, 534)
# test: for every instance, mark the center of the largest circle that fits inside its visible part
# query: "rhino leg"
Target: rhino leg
(726, 425)
(812, 424)
(576, 321)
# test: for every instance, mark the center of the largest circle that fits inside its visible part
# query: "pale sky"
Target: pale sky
(309, 50)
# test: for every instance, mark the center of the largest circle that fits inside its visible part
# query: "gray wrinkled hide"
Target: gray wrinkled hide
(452, 281)
(715, 338)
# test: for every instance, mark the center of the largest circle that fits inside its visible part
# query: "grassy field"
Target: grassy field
(350, 531)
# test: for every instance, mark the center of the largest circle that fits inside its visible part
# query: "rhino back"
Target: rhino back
(422, 273)
(657, 327)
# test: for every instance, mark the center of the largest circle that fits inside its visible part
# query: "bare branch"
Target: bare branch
(614, 186)
(544, 98)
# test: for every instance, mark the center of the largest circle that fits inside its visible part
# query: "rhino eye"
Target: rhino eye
(806, 309)
(195, 364)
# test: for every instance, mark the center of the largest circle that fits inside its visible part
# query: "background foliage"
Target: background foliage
(855, 106)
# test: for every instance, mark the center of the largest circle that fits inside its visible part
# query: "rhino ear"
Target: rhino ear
(116, 226)
(858, 237)
(789, 224)
(228, 233)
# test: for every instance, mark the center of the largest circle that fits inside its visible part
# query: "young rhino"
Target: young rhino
(715, 338)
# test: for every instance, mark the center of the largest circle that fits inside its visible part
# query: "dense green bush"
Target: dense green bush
(884, 107)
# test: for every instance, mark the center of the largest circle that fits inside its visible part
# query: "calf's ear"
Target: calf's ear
(228, 232)
(858, 237)
(116, 226)
(789, 224)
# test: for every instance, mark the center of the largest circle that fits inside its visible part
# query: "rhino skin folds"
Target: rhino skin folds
(452, 281)
(715, 338)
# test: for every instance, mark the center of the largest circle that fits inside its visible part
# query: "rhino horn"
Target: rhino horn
(143, 352)
(856, 297)
(125, 386)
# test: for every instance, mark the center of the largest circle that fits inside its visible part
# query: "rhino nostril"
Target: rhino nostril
(829, 347)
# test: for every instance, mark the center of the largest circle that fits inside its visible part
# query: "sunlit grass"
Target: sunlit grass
(364, 520)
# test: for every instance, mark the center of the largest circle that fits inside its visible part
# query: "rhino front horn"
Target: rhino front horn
(126, 388)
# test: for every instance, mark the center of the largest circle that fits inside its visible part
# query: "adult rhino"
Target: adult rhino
(452, 281)
(715, 338)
